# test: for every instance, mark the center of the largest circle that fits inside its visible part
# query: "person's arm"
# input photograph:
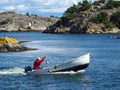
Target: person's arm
(43, 58)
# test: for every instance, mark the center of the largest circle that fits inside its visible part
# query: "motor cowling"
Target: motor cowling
(28, 68)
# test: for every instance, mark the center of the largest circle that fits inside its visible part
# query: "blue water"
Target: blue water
(103, 72)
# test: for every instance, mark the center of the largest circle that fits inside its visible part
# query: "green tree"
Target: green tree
(78, 7)
(70, 12)
(102, 17)
(115, 18)
(62, 22)
(111, 4)
(96, 3)
(101, 1)
(27, 14)
(85, 5)
(72, 9)
(116, 4)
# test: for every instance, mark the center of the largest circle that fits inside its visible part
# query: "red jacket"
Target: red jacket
(37, 63)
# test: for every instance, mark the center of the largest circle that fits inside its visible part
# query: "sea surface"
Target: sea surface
(103, 72)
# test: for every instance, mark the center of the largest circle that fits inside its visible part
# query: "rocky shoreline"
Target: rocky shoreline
(14, 48)
(8, 44)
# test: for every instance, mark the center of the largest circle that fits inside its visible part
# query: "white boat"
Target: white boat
(77, 64)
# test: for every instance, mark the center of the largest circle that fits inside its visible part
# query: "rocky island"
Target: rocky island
(12, 21)
(8, 44)
(100, 16)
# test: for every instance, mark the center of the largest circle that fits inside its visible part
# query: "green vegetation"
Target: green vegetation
(32, 15)
(98, 2)
(62, 22)
(71, 9)
(71, 12)
(101, 1)
(112, 4)
(27, 14)
(80, 14)
(85, 5)
(102, 17)
(115, 18)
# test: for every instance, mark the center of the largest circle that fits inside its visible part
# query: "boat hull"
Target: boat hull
(77, 64)
(75, 68)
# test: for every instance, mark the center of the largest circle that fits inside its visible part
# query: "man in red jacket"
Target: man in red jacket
(38, 62)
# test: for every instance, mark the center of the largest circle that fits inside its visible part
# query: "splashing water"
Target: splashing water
(20, 71)
(12, 71)
(70, 72)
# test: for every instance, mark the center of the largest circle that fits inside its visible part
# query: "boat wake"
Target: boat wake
(70, 72)
(11, 71)
(20, 71)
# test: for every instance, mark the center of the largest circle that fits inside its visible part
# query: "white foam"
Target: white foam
(70, 72)
(12, 71)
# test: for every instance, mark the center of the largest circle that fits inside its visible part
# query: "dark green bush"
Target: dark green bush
(98, 2)
(100, 18)
(112, 4)
(115, 18)
(101, 1)
(85, 5)
(71, 9)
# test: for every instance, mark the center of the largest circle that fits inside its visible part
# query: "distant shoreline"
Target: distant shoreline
(57, 33)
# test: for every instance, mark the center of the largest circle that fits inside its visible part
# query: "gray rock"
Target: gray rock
(14, 48)
(12, 21)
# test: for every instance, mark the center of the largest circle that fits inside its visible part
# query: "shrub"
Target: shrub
(71, 9)
(115, 18)
(102, 1)
(85, 5)
(98, 2)
(63, 21)
(112, 4)
(27, 14)
(109, 24)
(100, 18)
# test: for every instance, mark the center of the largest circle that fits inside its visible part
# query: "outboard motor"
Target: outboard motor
(28, 68)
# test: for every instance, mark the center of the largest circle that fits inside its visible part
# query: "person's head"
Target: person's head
(38, 57)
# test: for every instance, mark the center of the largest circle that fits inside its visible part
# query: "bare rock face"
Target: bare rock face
(12, 21)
